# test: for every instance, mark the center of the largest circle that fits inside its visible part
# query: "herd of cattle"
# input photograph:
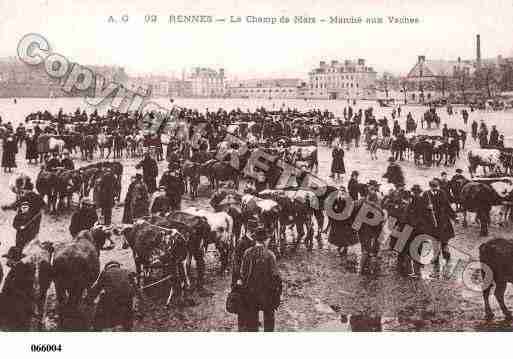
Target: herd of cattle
(59, 186)
(164, 245)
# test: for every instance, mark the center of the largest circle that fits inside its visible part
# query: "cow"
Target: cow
(230, 202)
(157, 244)
(68, 182)
(221, 233)
(295, 210)
(191, 174)
(266, 210)
(484, 157)
(481, 197)
(76, 266)
(495, 256)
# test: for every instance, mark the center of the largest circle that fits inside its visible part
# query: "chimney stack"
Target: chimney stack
(478, 50)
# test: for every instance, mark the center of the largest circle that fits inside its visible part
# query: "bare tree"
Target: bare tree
(404, 89)
(487, 79)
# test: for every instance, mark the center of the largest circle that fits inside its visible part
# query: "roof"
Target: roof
(438, 68)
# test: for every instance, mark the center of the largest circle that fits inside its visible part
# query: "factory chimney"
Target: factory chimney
(478, 50)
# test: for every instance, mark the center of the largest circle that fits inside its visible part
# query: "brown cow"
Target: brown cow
(75, 268)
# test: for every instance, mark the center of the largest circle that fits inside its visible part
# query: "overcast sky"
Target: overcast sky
(79, 29)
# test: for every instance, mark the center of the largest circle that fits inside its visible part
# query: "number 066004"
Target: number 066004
(45, 348)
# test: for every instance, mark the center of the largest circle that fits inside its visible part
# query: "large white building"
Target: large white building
(207, 82)
(266, 88)
(341, 80)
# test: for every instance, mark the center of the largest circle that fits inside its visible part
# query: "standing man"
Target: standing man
(394, 173)
(474, 129)
(116, 305)
(25, 225)
(440, 215)
(174, 187)
(105, 195)
(84, 218)
(262, 283)
(150, 172)
(246, 242)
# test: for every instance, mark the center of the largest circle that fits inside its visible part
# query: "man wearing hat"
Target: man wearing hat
(84, 218)
(174, 187)
(105, 195)
(394, 172)
(116, 305)
(246, 242)
(67, 162)
(53, 162)
(150, 172)
(353, 186)
(440, 215)
(16, 297)
(26, 225)
(418, 215)
(261, 281)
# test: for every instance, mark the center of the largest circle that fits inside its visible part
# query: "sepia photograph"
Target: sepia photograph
(233, 166)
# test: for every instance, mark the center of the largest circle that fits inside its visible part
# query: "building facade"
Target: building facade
(341, 80)
(265, 89)
(458, 80)
(207, 82)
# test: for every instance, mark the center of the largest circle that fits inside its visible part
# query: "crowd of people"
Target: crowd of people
(255, 275)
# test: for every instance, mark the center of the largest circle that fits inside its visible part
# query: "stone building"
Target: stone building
(341, 80)
(207, 82)
(265, 88)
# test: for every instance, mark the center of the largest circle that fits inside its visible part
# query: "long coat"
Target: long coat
(442, 212)
(337, 164)
(137, 202)
(9, 153)
(341, 233)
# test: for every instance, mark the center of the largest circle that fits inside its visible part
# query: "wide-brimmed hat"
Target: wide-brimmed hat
(373, 183)
(112, 264)
(260, 234)
(14, 253)
(416, 188)
(434, 183)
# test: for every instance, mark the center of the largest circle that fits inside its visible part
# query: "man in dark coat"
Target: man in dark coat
(246, 242)
(116, 304)
(261, 281)
(25, 225)
(174, 187)
(396, 204)
(67, 162)
(494, 136)
(53, 162)
(394, 173)
(84, 218)
(35, 200)
(353, 186)
(105, 195)
(16, 297)
(150, 172)
(440, 215)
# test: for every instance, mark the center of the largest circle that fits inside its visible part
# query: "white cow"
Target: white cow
(484, 157)
(221, 232)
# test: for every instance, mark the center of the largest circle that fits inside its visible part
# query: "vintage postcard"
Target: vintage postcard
(235, 166)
